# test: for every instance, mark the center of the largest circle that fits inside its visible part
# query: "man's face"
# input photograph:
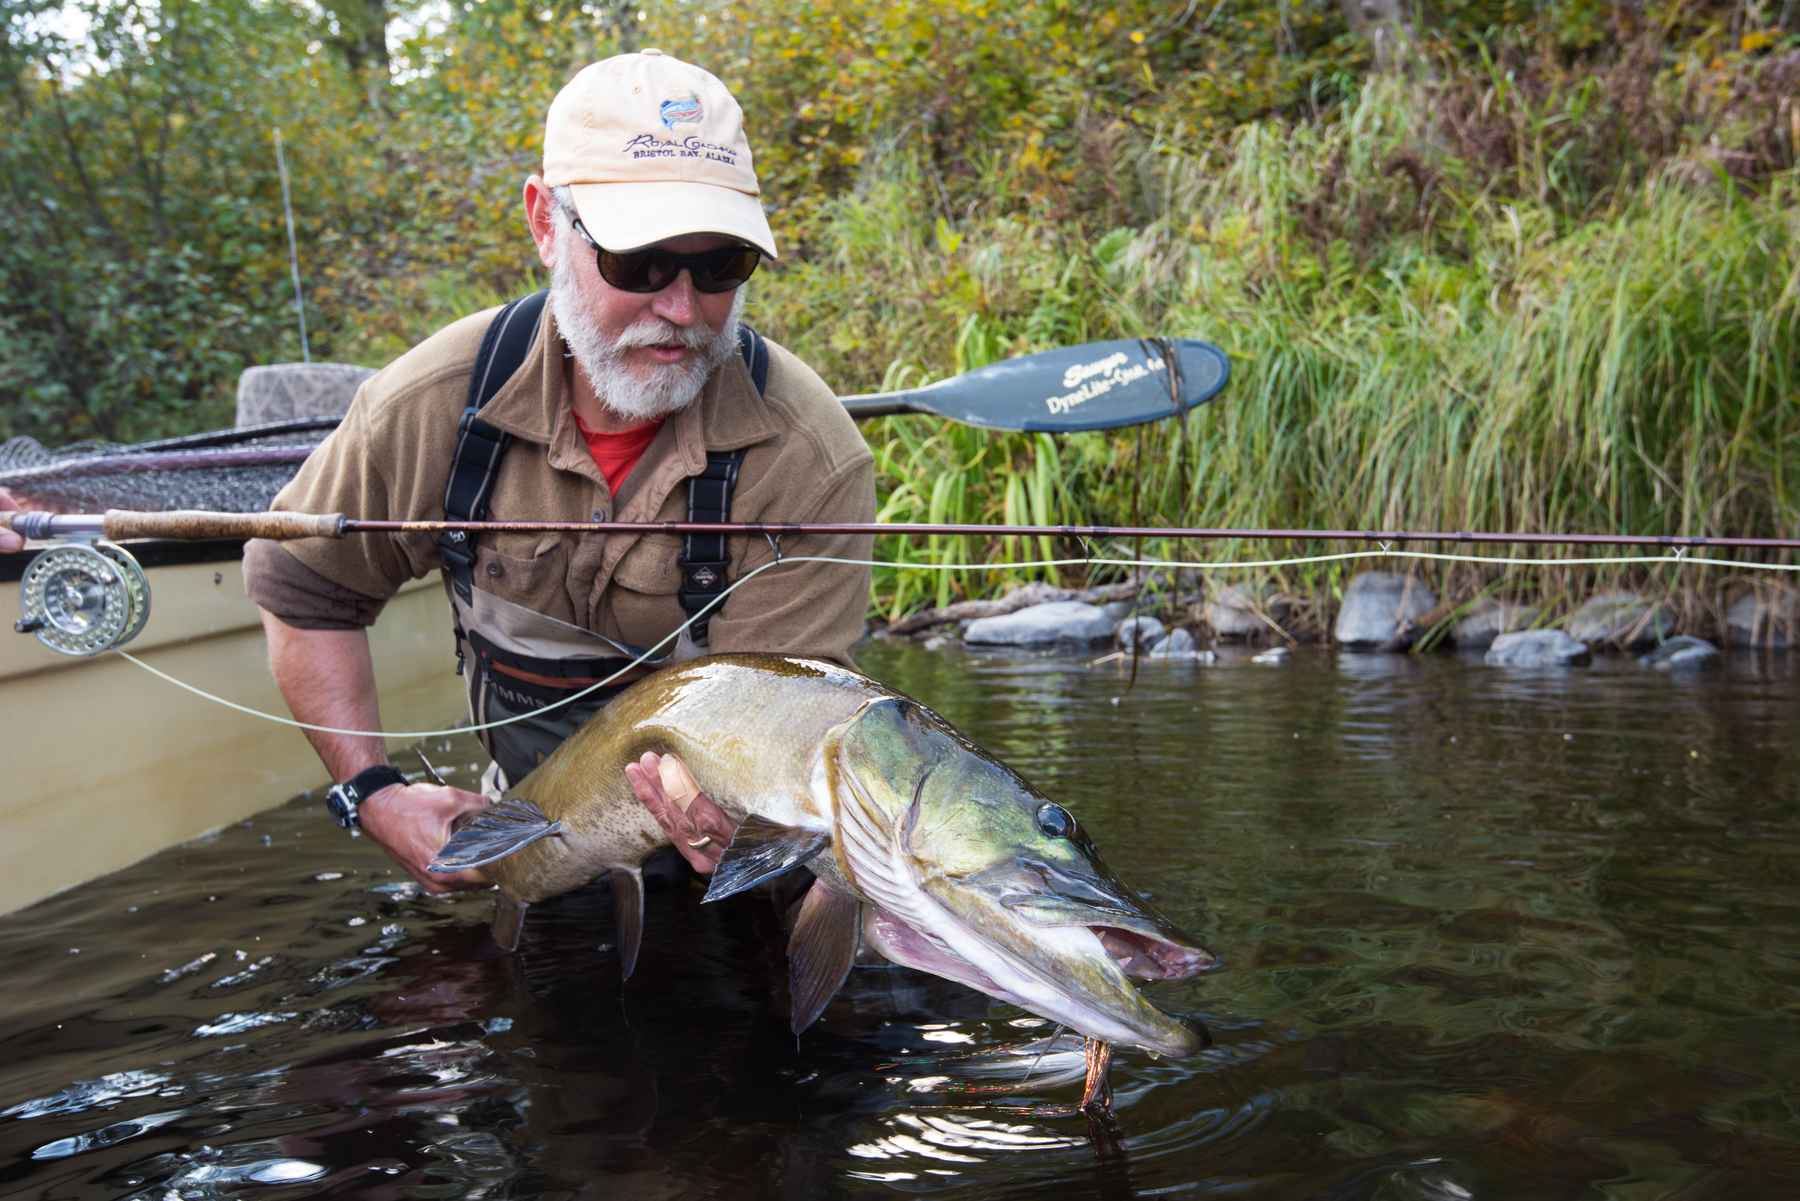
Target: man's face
(647, 354)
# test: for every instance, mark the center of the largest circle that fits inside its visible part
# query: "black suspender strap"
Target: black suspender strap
(756, 357)
(705, 559)
(479, 445)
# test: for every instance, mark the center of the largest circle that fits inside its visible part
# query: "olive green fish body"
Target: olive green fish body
(925, 848)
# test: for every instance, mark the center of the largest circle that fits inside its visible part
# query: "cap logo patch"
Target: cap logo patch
(684, 111)
(648, 145)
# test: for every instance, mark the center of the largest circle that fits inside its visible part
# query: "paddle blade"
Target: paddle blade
(1096, 386)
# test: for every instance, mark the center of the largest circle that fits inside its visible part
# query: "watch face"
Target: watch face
(341, 804)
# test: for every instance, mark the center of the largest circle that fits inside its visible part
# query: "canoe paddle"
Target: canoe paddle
(1094, 386)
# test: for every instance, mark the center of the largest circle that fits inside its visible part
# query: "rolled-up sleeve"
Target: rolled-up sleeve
(300, 596)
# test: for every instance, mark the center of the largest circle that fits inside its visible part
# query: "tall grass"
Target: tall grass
(1413, 344)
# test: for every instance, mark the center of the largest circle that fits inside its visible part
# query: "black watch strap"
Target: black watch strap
(342, 800)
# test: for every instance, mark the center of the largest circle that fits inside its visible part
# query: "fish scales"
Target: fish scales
(748, 728)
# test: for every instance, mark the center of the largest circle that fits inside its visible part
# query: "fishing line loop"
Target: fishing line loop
(1087, 560)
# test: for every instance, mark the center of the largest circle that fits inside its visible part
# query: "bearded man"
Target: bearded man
(636, 397)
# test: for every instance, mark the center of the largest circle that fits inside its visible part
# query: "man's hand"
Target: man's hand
(9, 541)
(699, 829)
(412, 822)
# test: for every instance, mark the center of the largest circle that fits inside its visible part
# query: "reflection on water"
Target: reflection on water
(1485, 934)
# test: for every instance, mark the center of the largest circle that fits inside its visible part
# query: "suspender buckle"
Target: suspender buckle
(701, 583)
(458, 559)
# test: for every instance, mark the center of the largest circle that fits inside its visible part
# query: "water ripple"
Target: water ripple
(84, 1095)
(106, 1136)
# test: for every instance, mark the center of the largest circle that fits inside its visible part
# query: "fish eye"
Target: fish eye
(1055, 821)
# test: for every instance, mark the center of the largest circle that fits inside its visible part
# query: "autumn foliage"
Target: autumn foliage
(1528, 265)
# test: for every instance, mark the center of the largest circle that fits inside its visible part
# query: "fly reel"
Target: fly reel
(81, 598)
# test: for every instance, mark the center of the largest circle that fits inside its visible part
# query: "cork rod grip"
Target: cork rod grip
(197, 524)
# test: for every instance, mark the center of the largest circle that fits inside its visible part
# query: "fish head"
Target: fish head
(972, 874)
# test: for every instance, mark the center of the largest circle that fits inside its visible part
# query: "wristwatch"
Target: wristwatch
(341, 800)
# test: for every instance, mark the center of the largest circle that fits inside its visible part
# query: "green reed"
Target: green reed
(1448, 356)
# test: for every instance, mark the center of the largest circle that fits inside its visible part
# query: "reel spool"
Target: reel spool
(82, 598)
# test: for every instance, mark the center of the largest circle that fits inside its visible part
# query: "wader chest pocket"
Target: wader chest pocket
(526, 573)
(650, 567)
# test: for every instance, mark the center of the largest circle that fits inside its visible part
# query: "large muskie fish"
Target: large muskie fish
(940, 857)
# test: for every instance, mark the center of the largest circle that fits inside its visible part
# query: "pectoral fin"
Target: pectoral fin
(503, 828)
(821, 950)
(761, 850)
(628, 908)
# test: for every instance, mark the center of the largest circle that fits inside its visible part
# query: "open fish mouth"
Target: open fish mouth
(1150, 957)
(1072, 981)
(1139, 955)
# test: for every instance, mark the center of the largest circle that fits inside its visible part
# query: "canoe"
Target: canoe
(111, 764)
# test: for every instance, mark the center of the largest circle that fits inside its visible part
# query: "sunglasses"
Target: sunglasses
(654, 269)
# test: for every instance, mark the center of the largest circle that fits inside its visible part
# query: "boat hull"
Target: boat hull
(110, 764)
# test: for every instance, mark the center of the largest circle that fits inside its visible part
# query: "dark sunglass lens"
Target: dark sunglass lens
(724, 269)
(653, 270)
(641, 271)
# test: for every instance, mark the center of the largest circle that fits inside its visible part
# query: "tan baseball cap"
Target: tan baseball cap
(654, 148)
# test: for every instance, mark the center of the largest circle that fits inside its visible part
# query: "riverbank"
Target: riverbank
(1498, 366)
(1185, 613)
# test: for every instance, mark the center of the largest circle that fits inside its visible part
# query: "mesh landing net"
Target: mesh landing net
(231, 471)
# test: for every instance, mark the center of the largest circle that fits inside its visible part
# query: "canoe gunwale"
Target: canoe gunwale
(150, 553)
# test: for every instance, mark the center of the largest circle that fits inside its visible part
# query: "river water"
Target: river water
(1484, 934)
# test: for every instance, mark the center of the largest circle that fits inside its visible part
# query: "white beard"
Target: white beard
(629, 394)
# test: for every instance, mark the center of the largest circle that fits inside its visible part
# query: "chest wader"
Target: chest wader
(518, 662)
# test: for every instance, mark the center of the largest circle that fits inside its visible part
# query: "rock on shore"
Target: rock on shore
(1179, 644)
(1681, 651)
(1234, 611)
(1133, 632)
(1042, 625)
(1488, 620)
(1623, 619)
(1536, 648)
(1767, 617)
(1378, 605)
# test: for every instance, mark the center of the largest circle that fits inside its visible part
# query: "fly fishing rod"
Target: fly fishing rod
(88, 594)
(184, 525)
